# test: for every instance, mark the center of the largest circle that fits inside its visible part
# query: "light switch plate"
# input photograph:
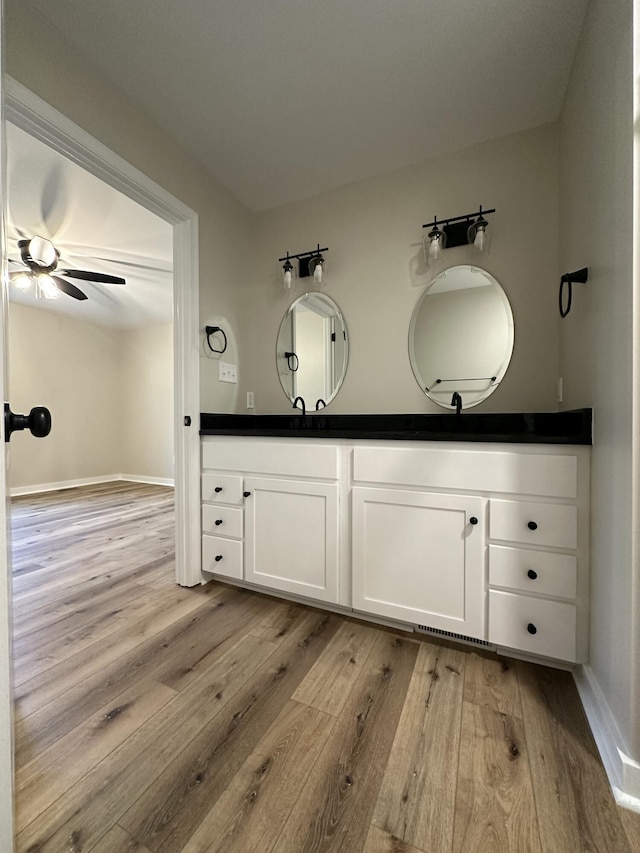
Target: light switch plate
(227, 372)
(249, 399)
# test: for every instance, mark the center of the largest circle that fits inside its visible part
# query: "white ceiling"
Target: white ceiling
(282, 100)
(95, 228)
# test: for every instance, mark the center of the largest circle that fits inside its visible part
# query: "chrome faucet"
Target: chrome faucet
(456, 401)
(295, 405)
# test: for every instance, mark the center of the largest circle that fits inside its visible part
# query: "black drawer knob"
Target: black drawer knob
(531, 628)
(218, 558)
(530, 574)
(246, 494)
(218, 489)
(532, 525)
(473, 520)
(218, 521)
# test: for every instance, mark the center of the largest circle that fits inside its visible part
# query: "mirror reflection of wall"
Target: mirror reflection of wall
(312, 350)
(461, 337)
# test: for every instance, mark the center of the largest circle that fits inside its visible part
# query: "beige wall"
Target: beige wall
(376, 271)
(146, 374)
(74, 369)
(38, 58)
(110, 393)
(596, 338)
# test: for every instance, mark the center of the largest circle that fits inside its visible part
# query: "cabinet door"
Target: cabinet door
(419, 557)
(291, 536)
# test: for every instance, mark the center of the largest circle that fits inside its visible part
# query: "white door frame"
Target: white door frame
(41, 120)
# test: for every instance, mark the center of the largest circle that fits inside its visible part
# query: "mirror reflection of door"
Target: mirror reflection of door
(311, 351)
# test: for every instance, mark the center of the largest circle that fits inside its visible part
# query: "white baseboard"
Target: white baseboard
(151, 481)
(622, 770)
(63, 484)
(88, 481)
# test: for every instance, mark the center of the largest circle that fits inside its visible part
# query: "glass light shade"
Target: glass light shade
(22, 281)
(47, 287)
(288, 274)
(42, 251)
(478, 236)
(318, 267)
(433, 244)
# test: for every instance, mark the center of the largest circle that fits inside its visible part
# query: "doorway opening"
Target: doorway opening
(42, 122)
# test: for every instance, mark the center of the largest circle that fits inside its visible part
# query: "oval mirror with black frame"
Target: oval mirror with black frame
(461, 337)
(312, 350)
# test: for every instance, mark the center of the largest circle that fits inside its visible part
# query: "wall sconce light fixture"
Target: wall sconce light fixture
(571, 278)
(433, 244)
(310, 263)
(456, 231)
(288, 273)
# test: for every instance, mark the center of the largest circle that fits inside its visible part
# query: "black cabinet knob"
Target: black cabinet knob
(532, 525)
(218, 521)
(246, 494)
(218, 558)
(218, 489)
(531, 574)
(473, 520)
(531, 628)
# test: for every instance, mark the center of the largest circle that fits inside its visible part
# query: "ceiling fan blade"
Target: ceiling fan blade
(68, 288)
(85, 275)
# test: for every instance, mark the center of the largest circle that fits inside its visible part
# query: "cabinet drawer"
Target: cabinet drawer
(221, 488)
(280, 457)
(222, 556)
(222, 520)
(533, 625)
(533, 571)
(544, 475)
(554, 525)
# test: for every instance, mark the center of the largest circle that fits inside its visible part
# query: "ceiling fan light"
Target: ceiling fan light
(43, 251)
(22, 281)
(47, 287)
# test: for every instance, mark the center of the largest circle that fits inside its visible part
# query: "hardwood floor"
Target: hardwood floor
(156, 719)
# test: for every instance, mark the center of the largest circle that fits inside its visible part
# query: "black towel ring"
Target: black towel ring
(293, 362)
(211, 330)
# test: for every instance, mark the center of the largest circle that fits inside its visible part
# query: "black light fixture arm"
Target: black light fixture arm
(569, 279)
(467, 216)
(212, 330)
(304, 254)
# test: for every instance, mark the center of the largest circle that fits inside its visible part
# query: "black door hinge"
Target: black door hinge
(187, 420)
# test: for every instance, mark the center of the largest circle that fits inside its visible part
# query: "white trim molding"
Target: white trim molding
(42, 121)
(149, 481)
(622, 771)
(19, 491)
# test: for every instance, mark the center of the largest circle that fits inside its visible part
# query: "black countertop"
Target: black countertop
(573, 427)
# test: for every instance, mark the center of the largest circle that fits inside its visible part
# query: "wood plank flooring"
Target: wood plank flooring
(156, 719)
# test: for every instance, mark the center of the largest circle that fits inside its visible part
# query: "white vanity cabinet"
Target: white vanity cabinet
(287, 499)
(483, 541)
(419, 557)
(291, 536)
(517, 579)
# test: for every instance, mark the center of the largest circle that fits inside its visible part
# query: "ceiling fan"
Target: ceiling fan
(41, 257)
